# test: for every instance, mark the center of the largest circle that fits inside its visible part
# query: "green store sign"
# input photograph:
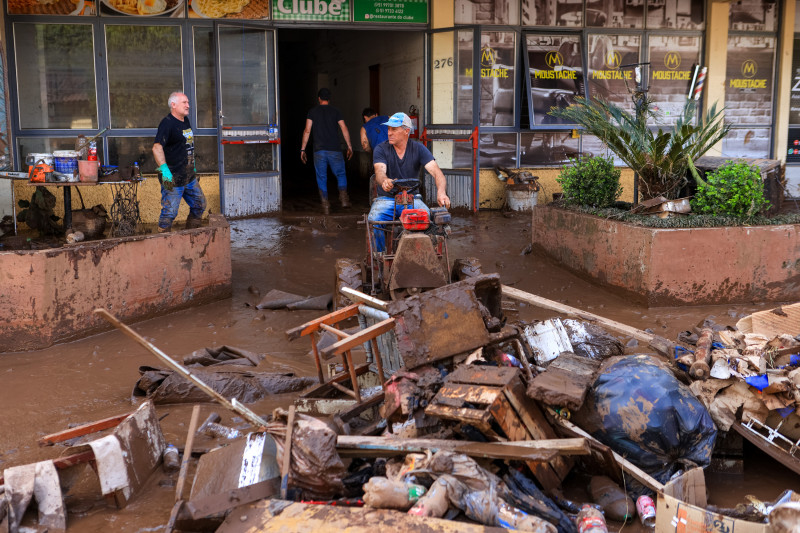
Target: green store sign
(317, 10)
(413, 11)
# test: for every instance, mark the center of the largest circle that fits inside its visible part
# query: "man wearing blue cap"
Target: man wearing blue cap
(398, 158)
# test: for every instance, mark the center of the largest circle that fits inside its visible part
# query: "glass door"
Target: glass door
(249, 159)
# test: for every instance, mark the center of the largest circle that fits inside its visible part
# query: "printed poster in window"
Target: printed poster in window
(143, 8)
(615, 13)
(497, 64)
(229, 9)
(556, 74)
(753, 15)
(548, 148)
(794, 97)
(610, 72)
(749, 80)
(408, 11)
(675, 14)
(566, 13)
(504, 12)
(672, 62)
(51, 7)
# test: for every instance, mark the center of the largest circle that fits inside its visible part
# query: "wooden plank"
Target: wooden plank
(351, 444)
(508, 420)
(85, 429)
(287, 453)
(329, 319)
(187, 453)
(456, 394)
(319, 391)
(476, 417)
(483, 375)
(339, 333)
(359, 338)
(360, 297)
(789, 461)
(637, 473)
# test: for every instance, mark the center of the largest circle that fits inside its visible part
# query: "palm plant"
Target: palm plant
(660, 159)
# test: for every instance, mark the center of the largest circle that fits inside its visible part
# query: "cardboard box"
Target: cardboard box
(681, 508)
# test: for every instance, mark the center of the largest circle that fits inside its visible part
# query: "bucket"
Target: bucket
(521, 199)
(33, 158)
(87, 170)
(66, 161)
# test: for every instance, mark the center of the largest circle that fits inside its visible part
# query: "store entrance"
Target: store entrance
(362, 68)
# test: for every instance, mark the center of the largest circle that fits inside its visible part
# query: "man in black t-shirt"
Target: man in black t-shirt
(174, 155)
(326, 121)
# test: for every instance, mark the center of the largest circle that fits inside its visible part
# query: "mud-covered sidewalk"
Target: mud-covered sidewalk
(49, 390)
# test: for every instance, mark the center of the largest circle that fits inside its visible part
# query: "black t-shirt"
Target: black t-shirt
(415, 158)
(178, 141)
(325, 127)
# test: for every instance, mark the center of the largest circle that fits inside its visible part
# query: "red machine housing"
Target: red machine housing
(415, 219)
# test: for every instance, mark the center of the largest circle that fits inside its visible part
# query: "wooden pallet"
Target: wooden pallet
(493, 400)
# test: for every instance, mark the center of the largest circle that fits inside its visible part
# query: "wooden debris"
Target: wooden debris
(565, 382)
(85, 429)
(701, 368)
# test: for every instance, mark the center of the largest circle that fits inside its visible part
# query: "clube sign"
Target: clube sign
(322, 9)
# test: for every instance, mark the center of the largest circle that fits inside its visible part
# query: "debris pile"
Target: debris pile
(457, 420)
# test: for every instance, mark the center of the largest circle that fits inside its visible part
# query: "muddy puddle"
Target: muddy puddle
(48, 390)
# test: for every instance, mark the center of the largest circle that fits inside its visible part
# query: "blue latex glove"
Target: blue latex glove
(166, 176)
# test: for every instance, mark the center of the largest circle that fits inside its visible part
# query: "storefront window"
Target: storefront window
(747, 142)
(144, 67)
(498, 149)
(451, 77)
(205, 89)
(55, 76)
(611, 72)
(246, 98)
(450, 154)
(47, 145)
(675, 14)
(547, 148)
(672, 62)
(125, 151)
(753, 15)
(555, 74)
(247, 158)
(591, 146)
(567, 13)
(487, 12)
(497, 63)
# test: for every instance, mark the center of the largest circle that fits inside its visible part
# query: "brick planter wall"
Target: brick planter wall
(666, 267)
(47, 296)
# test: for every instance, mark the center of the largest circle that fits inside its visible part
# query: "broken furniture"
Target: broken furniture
(493, 400)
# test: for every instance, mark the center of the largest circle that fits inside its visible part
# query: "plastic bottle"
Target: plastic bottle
(92, 151)
(172, 459)
(218, 430)
(383, 493)
(590, 520)
(647, 511)
(512, 518)
(615, 503)
(434, 502)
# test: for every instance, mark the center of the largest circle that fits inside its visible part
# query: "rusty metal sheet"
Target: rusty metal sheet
(446, 321)
(285, 517)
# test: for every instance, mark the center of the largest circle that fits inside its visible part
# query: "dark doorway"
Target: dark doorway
(361, 68)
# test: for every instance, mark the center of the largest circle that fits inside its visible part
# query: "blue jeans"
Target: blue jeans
(171, 201)
(382, 209)
(323, 158)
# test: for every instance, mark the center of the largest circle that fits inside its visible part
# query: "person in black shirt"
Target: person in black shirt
(326, 121)
(174, 154)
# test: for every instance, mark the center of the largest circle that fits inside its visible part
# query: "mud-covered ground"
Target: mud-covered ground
(48, 390)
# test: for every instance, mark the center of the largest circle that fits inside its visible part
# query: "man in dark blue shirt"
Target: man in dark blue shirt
(326, 121)
(398, 158)
(374, 131)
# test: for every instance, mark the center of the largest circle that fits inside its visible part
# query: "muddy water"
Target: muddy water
(48, 390)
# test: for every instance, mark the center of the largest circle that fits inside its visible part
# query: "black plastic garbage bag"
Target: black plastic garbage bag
(638, 408)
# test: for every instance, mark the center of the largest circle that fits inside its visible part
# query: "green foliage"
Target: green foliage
(660, 158)
(734, 189)
(590, 181)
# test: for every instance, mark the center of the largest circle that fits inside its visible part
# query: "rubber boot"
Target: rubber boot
(344, 199)
(164, 230)
(192, 222)
(326, 205)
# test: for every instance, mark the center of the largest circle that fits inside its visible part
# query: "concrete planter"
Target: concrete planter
(666, 267)
(47, 296)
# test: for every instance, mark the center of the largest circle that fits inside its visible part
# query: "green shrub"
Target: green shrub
(591, 181)
(734, 189)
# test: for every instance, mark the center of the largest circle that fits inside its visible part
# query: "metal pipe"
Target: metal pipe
(362, 323)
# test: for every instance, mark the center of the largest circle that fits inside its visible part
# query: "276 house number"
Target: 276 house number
(444, 62)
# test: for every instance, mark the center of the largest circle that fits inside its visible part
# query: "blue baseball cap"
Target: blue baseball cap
(399, 119)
